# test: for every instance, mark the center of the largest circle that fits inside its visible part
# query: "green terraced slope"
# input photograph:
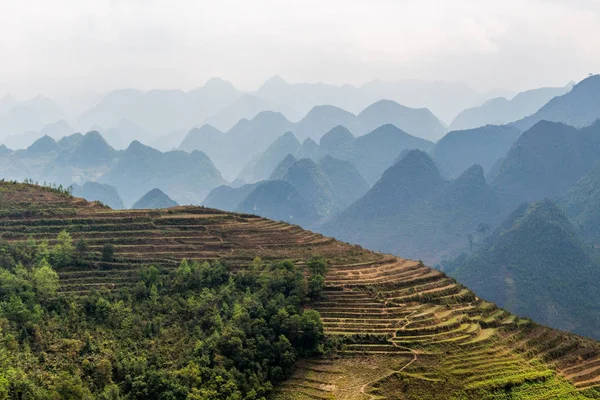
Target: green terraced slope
(403, 330)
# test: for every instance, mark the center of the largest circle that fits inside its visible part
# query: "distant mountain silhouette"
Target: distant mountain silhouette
(417, 122)
(347, 183)
(581, 203)
(279, 200)
(188, 177)
(155, 198)
(58, 129)
(94, 191)
(263, 164)
(444, 99)
(247, 106)
(42, 146)
(228, 198)
(206, 136)
(314, 186)
(337, 142)
(232, 150)
(411, 210)
(546, 160)
(90, 150)
(459, 150)
(374, 152)
(160, 111)
(7, 102)
(5, 150)
(536, 266)
(309, 149)
(579, 108)
(321, 119)
(499, 111)
(282, 168)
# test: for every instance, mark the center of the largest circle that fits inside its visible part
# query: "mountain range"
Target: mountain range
(232, 150)
(500, 110)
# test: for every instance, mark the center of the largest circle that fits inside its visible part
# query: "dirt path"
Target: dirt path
(415, 357)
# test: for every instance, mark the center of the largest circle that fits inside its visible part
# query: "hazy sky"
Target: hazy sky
(74, 45)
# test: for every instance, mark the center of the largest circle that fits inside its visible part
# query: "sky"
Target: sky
(72, 46)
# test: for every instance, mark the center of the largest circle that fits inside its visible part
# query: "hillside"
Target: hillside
(374, 152)
(412, 210)
(94, 191)
(546, 160)
(155, 198)
(262, 165)
(579, 108)
(500, 111)
(536, 266)
(581, 204)
(188, 177)
(279, 200)
(417, 122)
(485, 146)
(404, 330)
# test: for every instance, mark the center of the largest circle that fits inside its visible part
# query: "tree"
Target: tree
(81, 249)
(108, 252)
(62, 253)
(315, 286)
(45, 280)
(317, 266)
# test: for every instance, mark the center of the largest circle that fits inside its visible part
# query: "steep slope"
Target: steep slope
(581, 204)
(336, 142)
(247, 106)
(374, 152)
(374, 219)
(205, 138)
(282, 168)
(188, 177)
(535, 265)
(412, 210)
(234, 149)
(546, 160)
(580, 107)
(459, 150)
(155, 198)
(500, 111)
(346, 182)
(278, 200)
(228, 198)
(309, 149)
(94, 191)
(417, 122)
(90, 150)
(314, 186)
(321, 119)
(405, 329)
(263, 164)
(57, 129)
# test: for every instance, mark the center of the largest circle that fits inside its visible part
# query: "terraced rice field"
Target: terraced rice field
(402, 327)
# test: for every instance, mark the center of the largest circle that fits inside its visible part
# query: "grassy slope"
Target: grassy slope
(405, 331)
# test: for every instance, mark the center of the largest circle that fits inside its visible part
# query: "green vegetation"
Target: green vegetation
(158, 321)
(535, 265)
(195, 332)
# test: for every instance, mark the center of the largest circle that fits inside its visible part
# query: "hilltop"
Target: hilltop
(399, 329)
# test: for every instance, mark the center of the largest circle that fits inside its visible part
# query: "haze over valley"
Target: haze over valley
(298, 201)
